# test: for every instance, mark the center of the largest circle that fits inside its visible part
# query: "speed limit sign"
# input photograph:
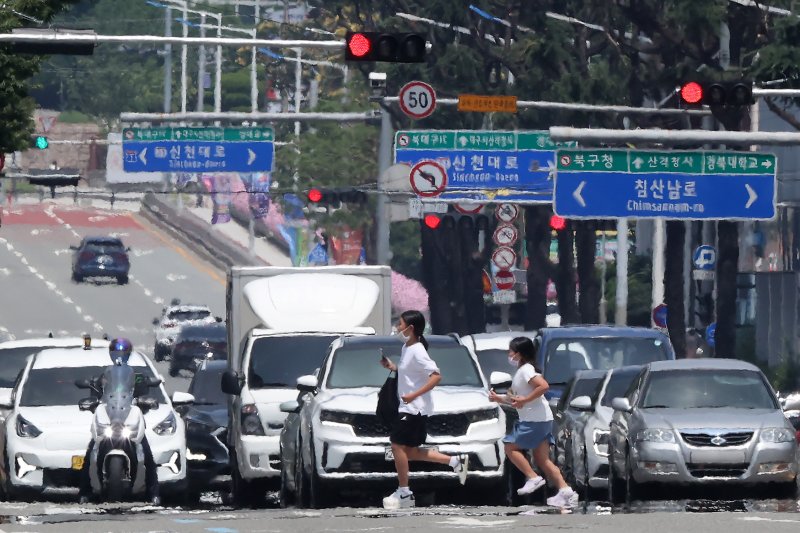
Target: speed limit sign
(417, 99)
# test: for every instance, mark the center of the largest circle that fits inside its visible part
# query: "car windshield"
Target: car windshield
(185, 315)
(279, 361)
(587, 387)
(618, 384)
(206, 386)
(56, 386)
(742, 389)
(104, 248)
(567, 356)
(12, 362)
(494, 361)
(359, 366)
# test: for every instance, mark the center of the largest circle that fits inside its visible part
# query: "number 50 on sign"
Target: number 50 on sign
(417, 99)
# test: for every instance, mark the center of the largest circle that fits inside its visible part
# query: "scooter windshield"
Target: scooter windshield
(120, 381)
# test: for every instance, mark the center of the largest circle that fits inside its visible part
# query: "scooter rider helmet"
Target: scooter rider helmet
(120, 350)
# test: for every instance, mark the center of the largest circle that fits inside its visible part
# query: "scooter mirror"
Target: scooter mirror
(88, 404)
(147, 403)
(83, 383)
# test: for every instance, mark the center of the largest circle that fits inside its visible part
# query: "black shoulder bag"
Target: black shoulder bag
(388, 401)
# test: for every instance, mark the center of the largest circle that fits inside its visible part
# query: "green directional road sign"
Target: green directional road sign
(665, 184)
(199, 134)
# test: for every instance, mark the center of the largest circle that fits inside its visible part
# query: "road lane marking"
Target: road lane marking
(50, 285)
(182, 252)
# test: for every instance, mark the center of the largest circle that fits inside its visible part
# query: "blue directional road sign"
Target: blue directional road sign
(198, 150)
(485, 166)
(704, 257)
(672, 185)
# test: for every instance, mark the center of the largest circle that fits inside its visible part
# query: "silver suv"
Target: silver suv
(699, 422)
(172, 319)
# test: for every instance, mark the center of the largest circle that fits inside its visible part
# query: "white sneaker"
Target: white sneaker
(399, 500)
(532, 485)
(565, 497)
(462, 468)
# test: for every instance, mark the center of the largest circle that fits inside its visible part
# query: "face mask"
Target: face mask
(405, 338)
(512, 361)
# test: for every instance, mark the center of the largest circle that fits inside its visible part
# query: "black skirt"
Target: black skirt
(409, 430)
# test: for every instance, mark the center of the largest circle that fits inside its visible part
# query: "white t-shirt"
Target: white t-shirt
(413, 372)
(534, 411)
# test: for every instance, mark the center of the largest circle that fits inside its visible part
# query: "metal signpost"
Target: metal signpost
(665, 184)
(485, 166)
(198, 149)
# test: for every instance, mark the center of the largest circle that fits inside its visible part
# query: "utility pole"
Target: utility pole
(184, 60)
(384, 162)
(621, 296)
(659, 241)
(168, 62)
(201, 66)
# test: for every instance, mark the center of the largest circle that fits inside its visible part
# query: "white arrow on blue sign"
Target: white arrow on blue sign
(704, 257)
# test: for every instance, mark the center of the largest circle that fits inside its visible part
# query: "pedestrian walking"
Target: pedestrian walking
(533, 430)
(417, 375)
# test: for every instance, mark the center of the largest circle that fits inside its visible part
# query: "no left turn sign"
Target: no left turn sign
(428, 179)
(417, 99)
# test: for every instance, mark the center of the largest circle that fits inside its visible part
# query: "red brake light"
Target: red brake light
(85, 256)
(359, 45)
(797, 436)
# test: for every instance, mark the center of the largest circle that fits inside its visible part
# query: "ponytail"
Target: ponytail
(423, 341)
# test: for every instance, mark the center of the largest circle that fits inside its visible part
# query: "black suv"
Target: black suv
(100, 257)
(196, 343)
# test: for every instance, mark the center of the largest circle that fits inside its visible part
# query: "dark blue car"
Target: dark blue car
(100, 257)
(566, 350)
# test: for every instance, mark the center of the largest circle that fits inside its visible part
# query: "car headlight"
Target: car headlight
(600, 438)
(482, 415)
(656, 435)
(338, 417)
(26, 429)
(251, 423)
(166, 426)
(776, 435)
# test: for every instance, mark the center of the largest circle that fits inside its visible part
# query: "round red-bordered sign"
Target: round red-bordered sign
(506, 213)
(417, 99)
(504, 258)
(504, 280)
(468, 208)
(505, 235)
(428, 179)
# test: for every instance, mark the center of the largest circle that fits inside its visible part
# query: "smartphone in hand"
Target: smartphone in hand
(383, 357)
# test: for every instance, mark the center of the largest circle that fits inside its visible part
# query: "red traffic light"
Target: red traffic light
(692, 93)
(432, 221)
(359, 45)
(558, 223)
(315, 195)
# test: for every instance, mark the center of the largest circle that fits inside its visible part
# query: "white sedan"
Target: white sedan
(45, 436)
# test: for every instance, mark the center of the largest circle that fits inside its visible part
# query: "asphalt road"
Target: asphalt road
(39, 297)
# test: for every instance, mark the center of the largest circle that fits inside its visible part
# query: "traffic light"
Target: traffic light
(558, 223)
(41, 142)
(432, 221)
(718, 94)
(336, 197)
(387, 47)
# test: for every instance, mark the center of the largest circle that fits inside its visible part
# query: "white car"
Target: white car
(45, 437)
(341, 442)
(172, 319)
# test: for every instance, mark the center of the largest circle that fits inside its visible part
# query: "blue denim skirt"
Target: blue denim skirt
(529, 435)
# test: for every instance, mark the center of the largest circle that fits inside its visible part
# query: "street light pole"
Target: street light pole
(184, 60)
(201, 67)
(168, 63)
(382, 213)
(218, 78)
(298, 80)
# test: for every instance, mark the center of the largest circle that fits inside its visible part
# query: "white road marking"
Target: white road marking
(50, 286)
(176, 277)
(140, 253)
(60, 252)
(49, 212)
(147, 292)
(764, 519)
(38, 231)
(5, 271)
(468, 522)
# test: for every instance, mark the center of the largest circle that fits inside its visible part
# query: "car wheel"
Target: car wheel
(616, 487)
(300, 480)
(633, 490)
(316, 491)
(77, 278)
(286, 495)
(6, 490)
(122, 280)
(512, 480)
(158, 354)
(587, 489)
(174, 371)
(240, 488)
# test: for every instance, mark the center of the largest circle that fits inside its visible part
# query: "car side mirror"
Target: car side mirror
(147, 403)
(182, 398)
(621, 404)
(231, 383)
(307, 384)
(292, 406)
(83, 383)
(500, 381)
(218, 318)
(6, 399)
(88, 404)
(581, 403)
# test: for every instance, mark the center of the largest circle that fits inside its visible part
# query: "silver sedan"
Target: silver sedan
(699, 422)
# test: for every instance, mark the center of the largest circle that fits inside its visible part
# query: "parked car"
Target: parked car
(100, 257)
(197, 343)
(568, 419)
(14, 356)
(697, 422)
(206, 431)
(172, 319)
(44, 438)
(586, 453)
(341, 443)
(565, 350)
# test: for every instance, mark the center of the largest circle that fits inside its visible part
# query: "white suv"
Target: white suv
(172, 319)
(45, 436)
(340, 441)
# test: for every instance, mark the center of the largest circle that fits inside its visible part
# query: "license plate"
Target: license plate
(77, 462)
(389, 455)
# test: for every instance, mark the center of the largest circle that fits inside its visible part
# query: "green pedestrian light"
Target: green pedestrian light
(41, 142)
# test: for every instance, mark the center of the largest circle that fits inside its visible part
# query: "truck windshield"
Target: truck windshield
(278, 361)
(567, 356)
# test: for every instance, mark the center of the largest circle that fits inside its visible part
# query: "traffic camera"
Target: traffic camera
(386, 47)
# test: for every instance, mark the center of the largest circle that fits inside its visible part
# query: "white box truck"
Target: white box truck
(281, 321)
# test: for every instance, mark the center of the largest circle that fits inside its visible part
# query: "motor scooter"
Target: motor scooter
(116, 462)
